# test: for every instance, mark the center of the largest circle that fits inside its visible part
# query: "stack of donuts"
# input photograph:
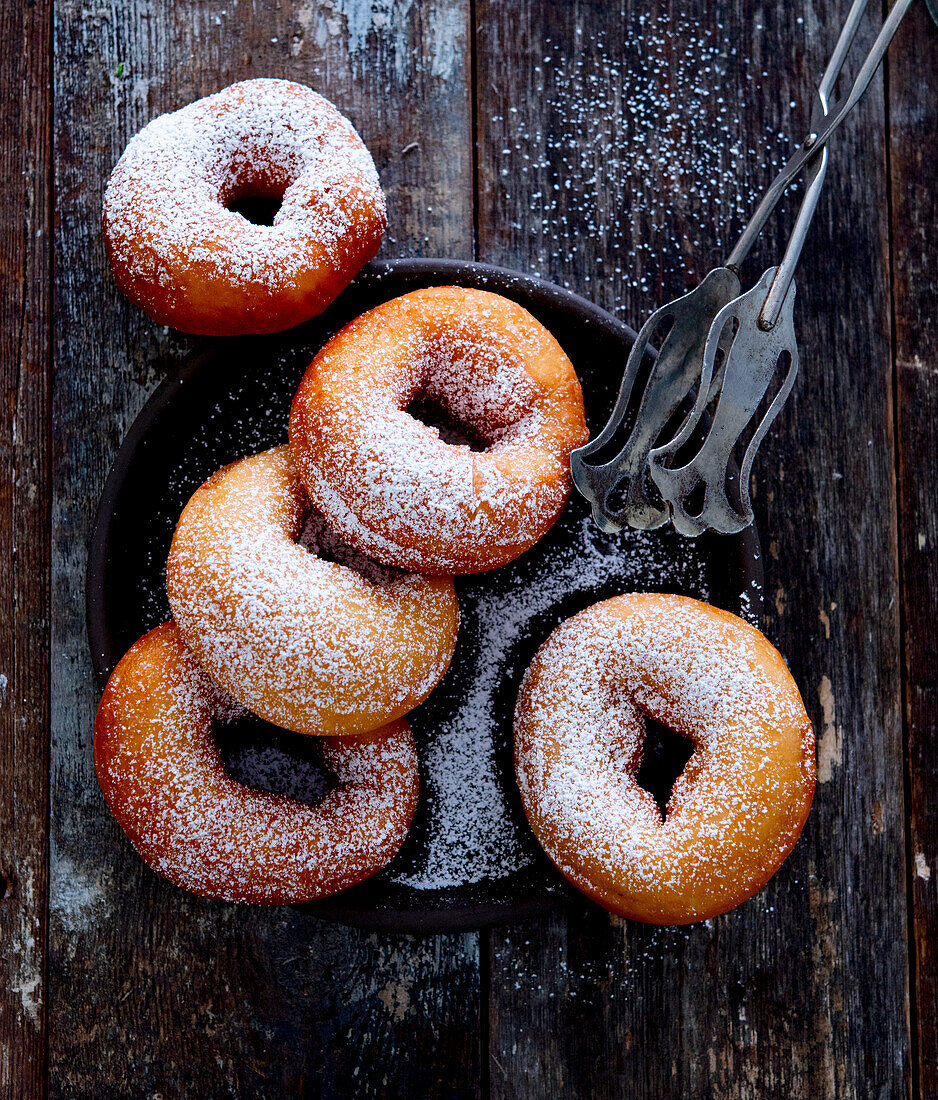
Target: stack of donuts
(312, 584)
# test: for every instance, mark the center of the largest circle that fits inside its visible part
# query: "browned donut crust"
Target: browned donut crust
(387, 482)
(738, 807)
(306, 643)
(180, 252)
(167, 786)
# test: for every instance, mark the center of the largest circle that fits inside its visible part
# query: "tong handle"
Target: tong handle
(816, 141)
(815, 171)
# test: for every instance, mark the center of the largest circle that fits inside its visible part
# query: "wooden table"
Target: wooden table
(614, 148)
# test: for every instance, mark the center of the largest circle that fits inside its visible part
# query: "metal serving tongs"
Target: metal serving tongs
(721, 352)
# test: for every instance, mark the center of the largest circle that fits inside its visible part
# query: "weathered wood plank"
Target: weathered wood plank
(25, 308)
(153, 991)
(913, 102)
(619, 150)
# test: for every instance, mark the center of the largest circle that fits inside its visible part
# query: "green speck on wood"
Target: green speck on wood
(120, 68)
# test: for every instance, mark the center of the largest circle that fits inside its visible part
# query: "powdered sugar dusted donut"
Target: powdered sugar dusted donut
(308, 644)
(166, 784)
(179, 252)
(738, 807)
(388, 482)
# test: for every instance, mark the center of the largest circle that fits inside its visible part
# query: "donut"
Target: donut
(180, 251)
(391, 484)
(309, 644)
(735, 811)
(166, 784)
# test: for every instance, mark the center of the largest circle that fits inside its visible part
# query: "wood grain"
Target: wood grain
(913, 121)
(25, 116)
(618, 152)
(152, 991)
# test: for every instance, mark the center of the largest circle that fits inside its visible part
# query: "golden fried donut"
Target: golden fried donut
(735, 811)
(387, 482)
(166, 784)
(308, 644)
(180, 252)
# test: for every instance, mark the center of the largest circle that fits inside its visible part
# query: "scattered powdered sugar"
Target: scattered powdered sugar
(739, 804)
(165, 207)
(190, 820)
(474, 831)
(618, 111)
(236, 404)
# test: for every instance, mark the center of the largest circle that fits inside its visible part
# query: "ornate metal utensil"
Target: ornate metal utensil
(721, 355)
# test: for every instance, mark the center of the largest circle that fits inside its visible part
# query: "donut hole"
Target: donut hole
(257, 209)
(664, 756)
(472, 388)
(450, 428)
(257, 196)
(266, 758)
(319, 539)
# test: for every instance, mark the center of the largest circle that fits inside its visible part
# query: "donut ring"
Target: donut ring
(179, 252)
(166, 784)
(738, 807)
(387, 482)
(308, 644)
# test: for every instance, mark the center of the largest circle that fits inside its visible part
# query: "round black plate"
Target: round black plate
(470, 859)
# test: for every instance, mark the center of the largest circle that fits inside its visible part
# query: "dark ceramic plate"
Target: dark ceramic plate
(470, 859)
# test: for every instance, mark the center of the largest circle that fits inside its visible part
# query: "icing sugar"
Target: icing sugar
(166, 203)
(307, 643)
(735, 810)
(190, 820)
(463, 730)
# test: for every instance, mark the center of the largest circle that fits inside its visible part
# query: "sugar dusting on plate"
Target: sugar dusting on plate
(475, 831)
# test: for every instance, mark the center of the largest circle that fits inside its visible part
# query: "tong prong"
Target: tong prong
(596, 482)
(674, 373)
(750, 365)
